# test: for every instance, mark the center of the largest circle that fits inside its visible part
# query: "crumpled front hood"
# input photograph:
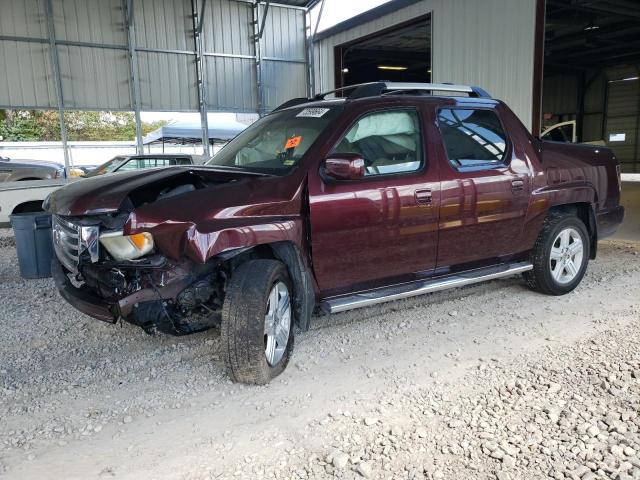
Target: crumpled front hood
(106, 193)
(226, 210)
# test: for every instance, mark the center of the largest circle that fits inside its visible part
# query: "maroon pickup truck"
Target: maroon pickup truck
(392, 191)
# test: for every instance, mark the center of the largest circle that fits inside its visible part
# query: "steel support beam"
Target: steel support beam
(636, 153)
(274, 4)
(58, 84)
(307, 51)
(201, 17)
(133, 68)
(310, 52)
(257, 45)
(109, 46)
(264, 19)
(198, 17)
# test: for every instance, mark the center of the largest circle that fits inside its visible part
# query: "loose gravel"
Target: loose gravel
(489, 381)
(570, 413)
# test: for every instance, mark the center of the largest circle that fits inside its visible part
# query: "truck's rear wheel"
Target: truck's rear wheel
(257, 322)
(560, 255)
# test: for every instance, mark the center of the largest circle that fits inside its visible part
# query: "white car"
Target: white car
(26, 196)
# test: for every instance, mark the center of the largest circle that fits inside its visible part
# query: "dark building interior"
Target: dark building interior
(592, 72)
(400, 55)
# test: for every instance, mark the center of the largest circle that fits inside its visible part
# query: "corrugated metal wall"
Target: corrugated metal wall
(230, 57)
(469, 46)
(284, 80)
(92, 48)
(26, 68)
(623, 116)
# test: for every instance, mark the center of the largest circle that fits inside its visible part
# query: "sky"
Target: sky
(335, 11)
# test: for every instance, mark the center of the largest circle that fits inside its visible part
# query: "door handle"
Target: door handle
(517, 185)
(423, 196)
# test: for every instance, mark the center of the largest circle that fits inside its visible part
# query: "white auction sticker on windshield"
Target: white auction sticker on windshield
(312, 112)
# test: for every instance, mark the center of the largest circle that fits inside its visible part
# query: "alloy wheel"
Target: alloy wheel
(566, 255)
(277, 323)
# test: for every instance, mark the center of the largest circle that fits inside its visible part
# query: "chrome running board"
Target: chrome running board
(406, 290)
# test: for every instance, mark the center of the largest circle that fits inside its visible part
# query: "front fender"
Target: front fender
(202, 242)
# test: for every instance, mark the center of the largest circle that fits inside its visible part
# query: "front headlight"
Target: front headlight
(127, 247)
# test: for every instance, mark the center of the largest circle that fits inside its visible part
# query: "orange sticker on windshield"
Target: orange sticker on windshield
(293, 142)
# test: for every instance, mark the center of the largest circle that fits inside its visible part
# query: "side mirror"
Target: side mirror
(344, 166)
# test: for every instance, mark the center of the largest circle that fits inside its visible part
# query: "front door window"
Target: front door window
(389, 142)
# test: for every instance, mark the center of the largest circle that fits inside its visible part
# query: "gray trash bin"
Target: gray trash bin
(34, 243)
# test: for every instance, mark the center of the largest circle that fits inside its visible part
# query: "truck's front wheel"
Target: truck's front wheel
(560, 255)
(257, 322)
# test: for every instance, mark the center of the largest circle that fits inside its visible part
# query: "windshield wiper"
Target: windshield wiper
(239, 169)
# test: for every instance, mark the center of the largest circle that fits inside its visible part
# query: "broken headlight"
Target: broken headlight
(127, 247)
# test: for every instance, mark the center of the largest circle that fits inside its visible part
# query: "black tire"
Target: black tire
(540, 278)
(243, 322)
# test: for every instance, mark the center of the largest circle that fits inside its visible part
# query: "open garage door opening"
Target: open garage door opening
(399, 54)
(591, 85)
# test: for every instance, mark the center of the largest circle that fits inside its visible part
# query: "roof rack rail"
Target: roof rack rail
(292, 103)
(321, 96)
(374, 89)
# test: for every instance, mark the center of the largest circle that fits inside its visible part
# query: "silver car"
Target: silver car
(18, 170)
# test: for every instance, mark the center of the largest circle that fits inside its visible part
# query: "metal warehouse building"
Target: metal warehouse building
(489, 43)
(571, 61)
(575, 63)
(151, 55)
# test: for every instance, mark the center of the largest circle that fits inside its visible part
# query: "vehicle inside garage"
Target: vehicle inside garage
(592, 75)
(399, 54)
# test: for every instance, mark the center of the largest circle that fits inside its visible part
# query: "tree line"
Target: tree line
(44, 125)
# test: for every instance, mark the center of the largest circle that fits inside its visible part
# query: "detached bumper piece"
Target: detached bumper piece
(82, 299)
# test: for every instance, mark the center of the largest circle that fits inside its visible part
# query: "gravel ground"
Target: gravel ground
(568, 413)
(488, 381)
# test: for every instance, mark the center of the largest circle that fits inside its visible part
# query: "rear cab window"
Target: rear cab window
(474, 138)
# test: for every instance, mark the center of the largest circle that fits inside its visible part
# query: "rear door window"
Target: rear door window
(474, 138)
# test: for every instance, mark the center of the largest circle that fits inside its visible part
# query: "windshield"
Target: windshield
(107, 167)
(276, 143)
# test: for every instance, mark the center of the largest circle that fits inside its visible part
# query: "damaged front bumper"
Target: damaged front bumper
(81, 298)
(149, 308)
